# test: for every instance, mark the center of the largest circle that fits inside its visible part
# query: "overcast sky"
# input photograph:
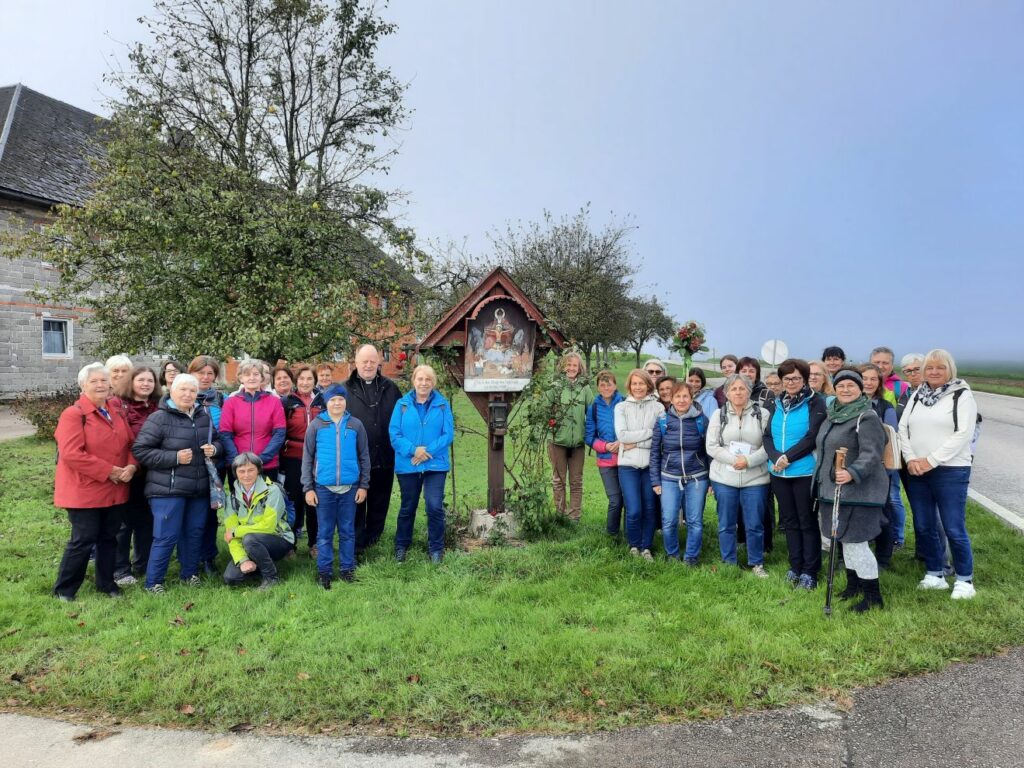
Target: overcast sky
(816, 172)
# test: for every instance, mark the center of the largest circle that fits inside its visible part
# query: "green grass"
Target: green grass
(1006, 380)
(563, 635)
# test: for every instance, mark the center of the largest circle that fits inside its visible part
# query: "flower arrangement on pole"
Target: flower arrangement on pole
(688, 341)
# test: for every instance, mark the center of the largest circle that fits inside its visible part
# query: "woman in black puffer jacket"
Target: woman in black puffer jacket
(173, 445)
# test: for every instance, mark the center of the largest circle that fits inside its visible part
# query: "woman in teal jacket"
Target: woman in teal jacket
(422, 428)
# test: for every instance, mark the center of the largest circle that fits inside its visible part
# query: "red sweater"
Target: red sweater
(88, 448)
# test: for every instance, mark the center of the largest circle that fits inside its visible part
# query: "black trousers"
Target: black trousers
(796, 513)
(305, 515)
(371, 514)
(264, 549)
(137, 524)
(89, 527)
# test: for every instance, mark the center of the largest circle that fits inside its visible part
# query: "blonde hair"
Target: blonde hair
(424, 368)
(571, 354)
(247, 365)
(826, 388)
(644, 376)
(944, 357)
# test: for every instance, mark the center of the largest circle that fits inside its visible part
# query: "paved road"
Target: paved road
(970, 715)
(999, 462)
(12, 426)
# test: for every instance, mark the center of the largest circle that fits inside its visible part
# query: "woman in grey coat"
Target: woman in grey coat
(864, 484)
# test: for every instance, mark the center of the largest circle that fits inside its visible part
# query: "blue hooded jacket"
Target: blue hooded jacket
(601, 423)
(431, 425)
(678, 450)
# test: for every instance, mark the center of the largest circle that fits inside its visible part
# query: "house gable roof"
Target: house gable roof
(46, 147)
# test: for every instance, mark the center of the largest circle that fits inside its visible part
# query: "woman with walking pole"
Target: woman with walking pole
(857, 489)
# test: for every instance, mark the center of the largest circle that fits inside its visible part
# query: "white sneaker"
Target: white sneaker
(963, 590)
(933, 582)
(646, 555)
(125, 581)
(759, 571)
(634, 551)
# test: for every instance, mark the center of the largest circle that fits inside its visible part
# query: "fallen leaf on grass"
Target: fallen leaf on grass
(188, 606)
(602, 703)
(187, 709)
(96, 734)
(412, 679)
(177, 621)
(81, 623)
(586, 692)
(303, 676)
(241, 727)
(242, 651)
(13, 702)
(37, 688)
(184, 652)
(772, 667)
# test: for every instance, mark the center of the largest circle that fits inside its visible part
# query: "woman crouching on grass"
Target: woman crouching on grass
(863, 485)
(256, 528)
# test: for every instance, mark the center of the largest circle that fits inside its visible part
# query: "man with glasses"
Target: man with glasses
(884, 357)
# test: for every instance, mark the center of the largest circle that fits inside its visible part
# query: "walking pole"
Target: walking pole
(840, 466)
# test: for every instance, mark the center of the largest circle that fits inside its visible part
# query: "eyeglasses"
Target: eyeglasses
(908, 371)
(793, 379)
(655, 372)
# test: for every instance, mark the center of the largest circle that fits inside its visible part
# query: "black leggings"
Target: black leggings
(796, 513)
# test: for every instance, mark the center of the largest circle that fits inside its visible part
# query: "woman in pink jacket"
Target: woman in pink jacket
(253, 419)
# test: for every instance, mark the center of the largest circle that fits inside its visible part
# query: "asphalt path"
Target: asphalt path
(966, 716)
(998, 471)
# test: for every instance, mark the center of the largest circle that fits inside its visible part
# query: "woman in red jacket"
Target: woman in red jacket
(300, 408)
(94, 469)
(143, 399)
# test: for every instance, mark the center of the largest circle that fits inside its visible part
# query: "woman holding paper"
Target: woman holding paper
(739, 471)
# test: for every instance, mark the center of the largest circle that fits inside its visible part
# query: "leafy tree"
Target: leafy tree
(647, 320)
(228, 216)
(580, 278)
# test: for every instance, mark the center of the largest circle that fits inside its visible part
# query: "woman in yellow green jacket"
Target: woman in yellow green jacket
(256, 528)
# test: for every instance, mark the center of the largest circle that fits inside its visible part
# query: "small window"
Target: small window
(56, 338)
(384, 304)
(387, 354)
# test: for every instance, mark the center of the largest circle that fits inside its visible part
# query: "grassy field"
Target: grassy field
(1001, 381)
(563, 635)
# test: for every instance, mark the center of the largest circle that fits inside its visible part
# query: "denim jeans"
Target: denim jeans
(945, 489)
(641, 517)
(751, 501)
(610, 478)
(689, 495)
(335, 511)
(178, 521)
(431, 486)
(895, 510)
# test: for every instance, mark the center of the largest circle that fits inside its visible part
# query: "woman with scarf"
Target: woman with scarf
(935, 435)
(568, 404)
(789, 440)
(863, 485)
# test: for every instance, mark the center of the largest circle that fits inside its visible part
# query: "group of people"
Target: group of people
(757, 444)
(150, 463)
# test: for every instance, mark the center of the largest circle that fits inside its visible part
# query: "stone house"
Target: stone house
(46, 147)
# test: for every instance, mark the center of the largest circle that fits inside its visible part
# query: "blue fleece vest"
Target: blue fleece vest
(788, 428)
(334, 441)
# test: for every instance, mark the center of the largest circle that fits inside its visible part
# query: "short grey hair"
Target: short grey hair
(247, 365)
(184, 378)
(247, 457)
(910, 358)
(657, 362)
(87, 371)
(882, 351)
(943, 356)
(738, 377)
(119, 361)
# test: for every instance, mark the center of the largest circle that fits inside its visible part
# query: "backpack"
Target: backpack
(956, 419)
(892, 457)
(724, 419)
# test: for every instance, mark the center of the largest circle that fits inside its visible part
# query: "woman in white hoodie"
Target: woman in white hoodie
(636, 418)
(739, 471)
(935, 436)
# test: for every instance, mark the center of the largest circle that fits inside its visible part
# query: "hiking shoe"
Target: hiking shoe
(759, 571)
(963, 590)
(646, 555)
(64, 598)
(932, 582)
(192, 581)
(156, 589)
(324, 580)
(114, 593)
(348, 576)
(400, 554)
(792, 576)
(897, 546)
(125, 581)
(807, 582)
(436, 557)
(268, 584)
(690, 563)
(634, 551)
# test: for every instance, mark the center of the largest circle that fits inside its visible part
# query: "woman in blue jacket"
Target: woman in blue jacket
(600, 436)
(422, 429)
(789, 440)
(679, 472)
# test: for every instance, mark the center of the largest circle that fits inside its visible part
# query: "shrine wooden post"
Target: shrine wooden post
(499, 337)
